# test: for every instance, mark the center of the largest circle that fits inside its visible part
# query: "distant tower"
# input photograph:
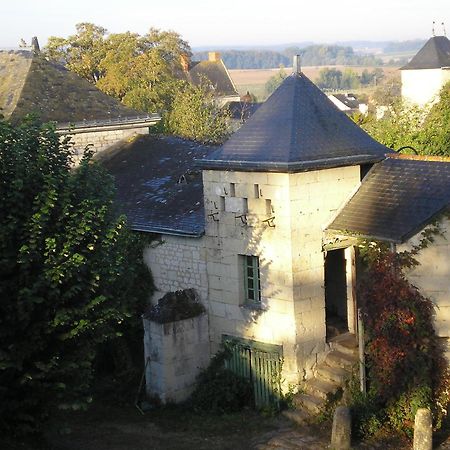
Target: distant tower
(427, 72)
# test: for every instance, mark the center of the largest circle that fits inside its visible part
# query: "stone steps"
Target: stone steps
(330, 375)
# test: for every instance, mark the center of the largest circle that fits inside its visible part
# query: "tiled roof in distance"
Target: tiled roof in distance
(435, 54)
(397, 198)
(157, 187)
(216, 73)
(297, 128)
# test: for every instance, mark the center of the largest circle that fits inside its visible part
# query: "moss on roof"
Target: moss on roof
(14, 67)
(31, 84)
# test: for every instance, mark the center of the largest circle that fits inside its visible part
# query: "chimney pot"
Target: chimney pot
(214, 56)
(296, 67)
(35, 44)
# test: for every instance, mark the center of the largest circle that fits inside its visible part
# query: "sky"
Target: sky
(229, 23)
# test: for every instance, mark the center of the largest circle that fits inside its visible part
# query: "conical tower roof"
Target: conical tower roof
(298, 128)
(435, 54)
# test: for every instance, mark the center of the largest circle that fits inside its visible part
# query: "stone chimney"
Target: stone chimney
(214, 56)
(35, 45)
(185, 62)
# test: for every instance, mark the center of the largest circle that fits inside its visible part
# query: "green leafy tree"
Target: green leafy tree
(273, 82)
(330, 79)
(71, 275)
(196, 115)
(81, 52)
(140, 71)
(426, 130)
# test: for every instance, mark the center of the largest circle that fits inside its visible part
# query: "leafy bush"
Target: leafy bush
(406, 366)
(71, 275)
(218, 390)
(196, 115)
(178, 305)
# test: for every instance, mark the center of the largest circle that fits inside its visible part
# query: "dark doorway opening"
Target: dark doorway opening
(335, 293)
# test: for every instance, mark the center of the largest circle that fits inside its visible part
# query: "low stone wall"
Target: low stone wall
(101, 140)
(177, 352)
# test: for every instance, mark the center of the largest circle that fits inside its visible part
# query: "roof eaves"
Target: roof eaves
(299, 166)
(166, 230)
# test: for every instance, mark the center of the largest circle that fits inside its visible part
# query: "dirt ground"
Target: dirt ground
(125, 428)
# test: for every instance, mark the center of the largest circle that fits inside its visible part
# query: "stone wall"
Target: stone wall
(178, 263)
(177, 351)
(101, 139)
(280, 218)
(315, 199)
(242, 202)
(422, 86)
(432, 277)
(299, 206)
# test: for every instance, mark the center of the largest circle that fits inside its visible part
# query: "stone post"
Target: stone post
(341, 434)
(423, 430)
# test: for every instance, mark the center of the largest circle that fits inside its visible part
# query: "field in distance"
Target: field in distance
(254, 80)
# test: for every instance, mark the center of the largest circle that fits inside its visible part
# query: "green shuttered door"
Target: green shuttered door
(261, 364)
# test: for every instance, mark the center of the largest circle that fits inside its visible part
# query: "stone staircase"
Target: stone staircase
(330, 375)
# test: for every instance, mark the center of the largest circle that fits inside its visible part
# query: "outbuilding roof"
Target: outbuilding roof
(216, 73)
(157, 186)
(31, 84)
(397, 198)
(435, 54)
(298, 128)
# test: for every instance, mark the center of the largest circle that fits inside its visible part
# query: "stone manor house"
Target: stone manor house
(265, 227)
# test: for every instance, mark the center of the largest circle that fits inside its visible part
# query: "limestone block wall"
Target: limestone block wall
(177, 351)
(178, 263)
(241, 202)
(432, 277)
(315, 197)
(422, 86)
(101, 139)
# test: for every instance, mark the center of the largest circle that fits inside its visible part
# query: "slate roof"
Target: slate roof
(216, 73)
(242, 111)
(435, 54)
(396, 199)
(31, 84)
(348, 100)
(297, 128)
(157, 187)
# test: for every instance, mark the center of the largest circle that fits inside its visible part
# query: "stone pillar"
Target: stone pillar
(423, 430)
(341, 434)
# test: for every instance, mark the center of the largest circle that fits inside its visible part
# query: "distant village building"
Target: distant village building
(265, 227)
(213, 71)
(349, 103)
(30, 84)
(427, 72)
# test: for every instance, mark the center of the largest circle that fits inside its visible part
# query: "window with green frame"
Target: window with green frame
(252, 283)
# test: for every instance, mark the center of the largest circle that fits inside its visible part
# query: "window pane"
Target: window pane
(251, 295)
(250, 283)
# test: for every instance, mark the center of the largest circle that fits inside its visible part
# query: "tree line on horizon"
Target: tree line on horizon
(312, 55)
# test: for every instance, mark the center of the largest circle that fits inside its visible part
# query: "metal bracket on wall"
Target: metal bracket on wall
(269, 222)
(243, 218)
(213, 216)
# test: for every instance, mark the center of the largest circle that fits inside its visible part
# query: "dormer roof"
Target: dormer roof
(435, 54)
(297, 129)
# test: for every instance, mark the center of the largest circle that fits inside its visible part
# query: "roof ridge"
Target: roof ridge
(433, 158)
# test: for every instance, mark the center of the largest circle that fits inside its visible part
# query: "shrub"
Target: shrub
(218, 390)
(406, 366)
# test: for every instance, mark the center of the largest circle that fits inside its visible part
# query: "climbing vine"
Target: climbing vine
(406, 366)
